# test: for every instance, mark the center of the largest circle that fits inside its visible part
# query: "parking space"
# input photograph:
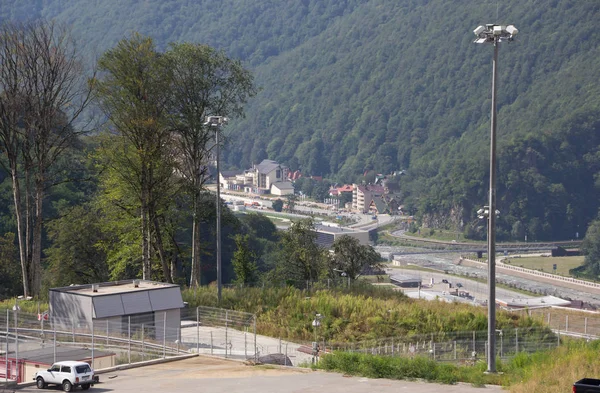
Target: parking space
(211, 375)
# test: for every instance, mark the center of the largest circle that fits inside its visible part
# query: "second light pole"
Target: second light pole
(493, 34)
(217, 122)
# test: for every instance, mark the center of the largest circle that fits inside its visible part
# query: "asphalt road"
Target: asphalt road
(210, 375)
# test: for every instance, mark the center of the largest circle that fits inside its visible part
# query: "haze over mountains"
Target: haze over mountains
(355, 86)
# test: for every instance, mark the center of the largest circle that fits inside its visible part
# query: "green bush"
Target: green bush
(371, 366)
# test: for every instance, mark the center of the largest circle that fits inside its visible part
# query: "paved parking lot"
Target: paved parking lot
(211, 375)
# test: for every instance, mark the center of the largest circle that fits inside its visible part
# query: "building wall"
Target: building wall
(276, 191)
(66, 308)
(363, 237)
(173, 325)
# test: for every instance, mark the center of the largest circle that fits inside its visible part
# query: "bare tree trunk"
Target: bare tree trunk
(146, 270)
(195, 278)
(19, 218)
(161, 251)
(36, 254)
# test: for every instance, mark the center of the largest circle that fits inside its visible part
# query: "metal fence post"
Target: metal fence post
(73, 329)
(246, 345)
(279, 345)
(517, 339)
(566, 323)
(197, 330)
(286, 355)
(129, 339)
(142, 341)
(92, 316)
(164, 334)
(474, 348)
(211, 343)
(107, 333)
(54, 346)
(226, 331)
(585, 325)
(255, 347)
(454, 345)
(7, 327)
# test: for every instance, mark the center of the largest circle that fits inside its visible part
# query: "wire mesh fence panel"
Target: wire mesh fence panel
(232, 334)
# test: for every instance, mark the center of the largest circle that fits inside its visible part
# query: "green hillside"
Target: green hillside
(382, 85)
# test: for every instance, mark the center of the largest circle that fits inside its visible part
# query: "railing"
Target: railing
(231, 334)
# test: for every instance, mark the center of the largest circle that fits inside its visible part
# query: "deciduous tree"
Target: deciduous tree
(350, 257)
(203, 81)
(42, 93)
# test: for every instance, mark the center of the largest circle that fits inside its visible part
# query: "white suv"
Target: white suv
(68, 374)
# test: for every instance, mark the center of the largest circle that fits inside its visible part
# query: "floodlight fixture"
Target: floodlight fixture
(492, 33)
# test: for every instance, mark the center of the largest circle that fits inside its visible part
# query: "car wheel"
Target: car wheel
(39, 382)
(67, 386)
(85, 386)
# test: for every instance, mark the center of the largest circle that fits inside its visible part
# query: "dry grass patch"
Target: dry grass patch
(546, 264)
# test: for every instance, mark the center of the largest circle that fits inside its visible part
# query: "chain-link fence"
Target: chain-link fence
(460, 347)
(567, 322)
(30, 338)
(232, 334)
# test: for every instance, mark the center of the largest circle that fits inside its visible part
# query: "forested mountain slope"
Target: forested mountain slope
(383, 85)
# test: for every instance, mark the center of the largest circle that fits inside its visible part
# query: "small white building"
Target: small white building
(114, 305)
(282, 188)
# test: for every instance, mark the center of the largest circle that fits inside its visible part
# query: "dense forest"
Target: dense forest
(357, 87)
(353, 86)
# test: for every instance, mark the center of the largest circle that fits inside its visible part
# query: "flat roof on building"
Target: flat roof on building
(114, 287)
(45, 355)
(544, 301)
(335, 229)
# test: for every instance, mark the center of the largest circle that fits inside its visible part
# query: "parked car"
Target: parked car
(587, 385)
(459, 285)
(68, 374)
(444, 281)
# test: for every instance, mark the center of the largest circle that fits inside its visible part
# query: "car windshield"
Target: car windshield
(83, 369)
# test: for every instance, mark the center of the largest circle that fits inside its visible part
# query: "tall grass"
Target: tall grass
(407, 368)
(368, 313)
(552, 371)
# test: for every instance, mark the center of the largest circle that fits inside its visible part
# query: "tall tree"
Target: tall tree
(9, 266)
(42, 93)
(302, 258)
(74, 256)
(204, 82)
(243, 261)
(350, 257)
(591, 249)
(134, 94)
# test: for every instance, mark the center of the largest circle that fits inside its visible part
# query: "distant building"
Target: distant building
(363, 195)
(232, 180)
(404, 281)
(282, 188)
(259, 179)
(544, 301)
(327, 234)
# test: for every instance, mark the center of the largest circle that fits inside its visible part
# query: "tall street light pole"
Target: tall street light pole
(493, 34)
(217, 122)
